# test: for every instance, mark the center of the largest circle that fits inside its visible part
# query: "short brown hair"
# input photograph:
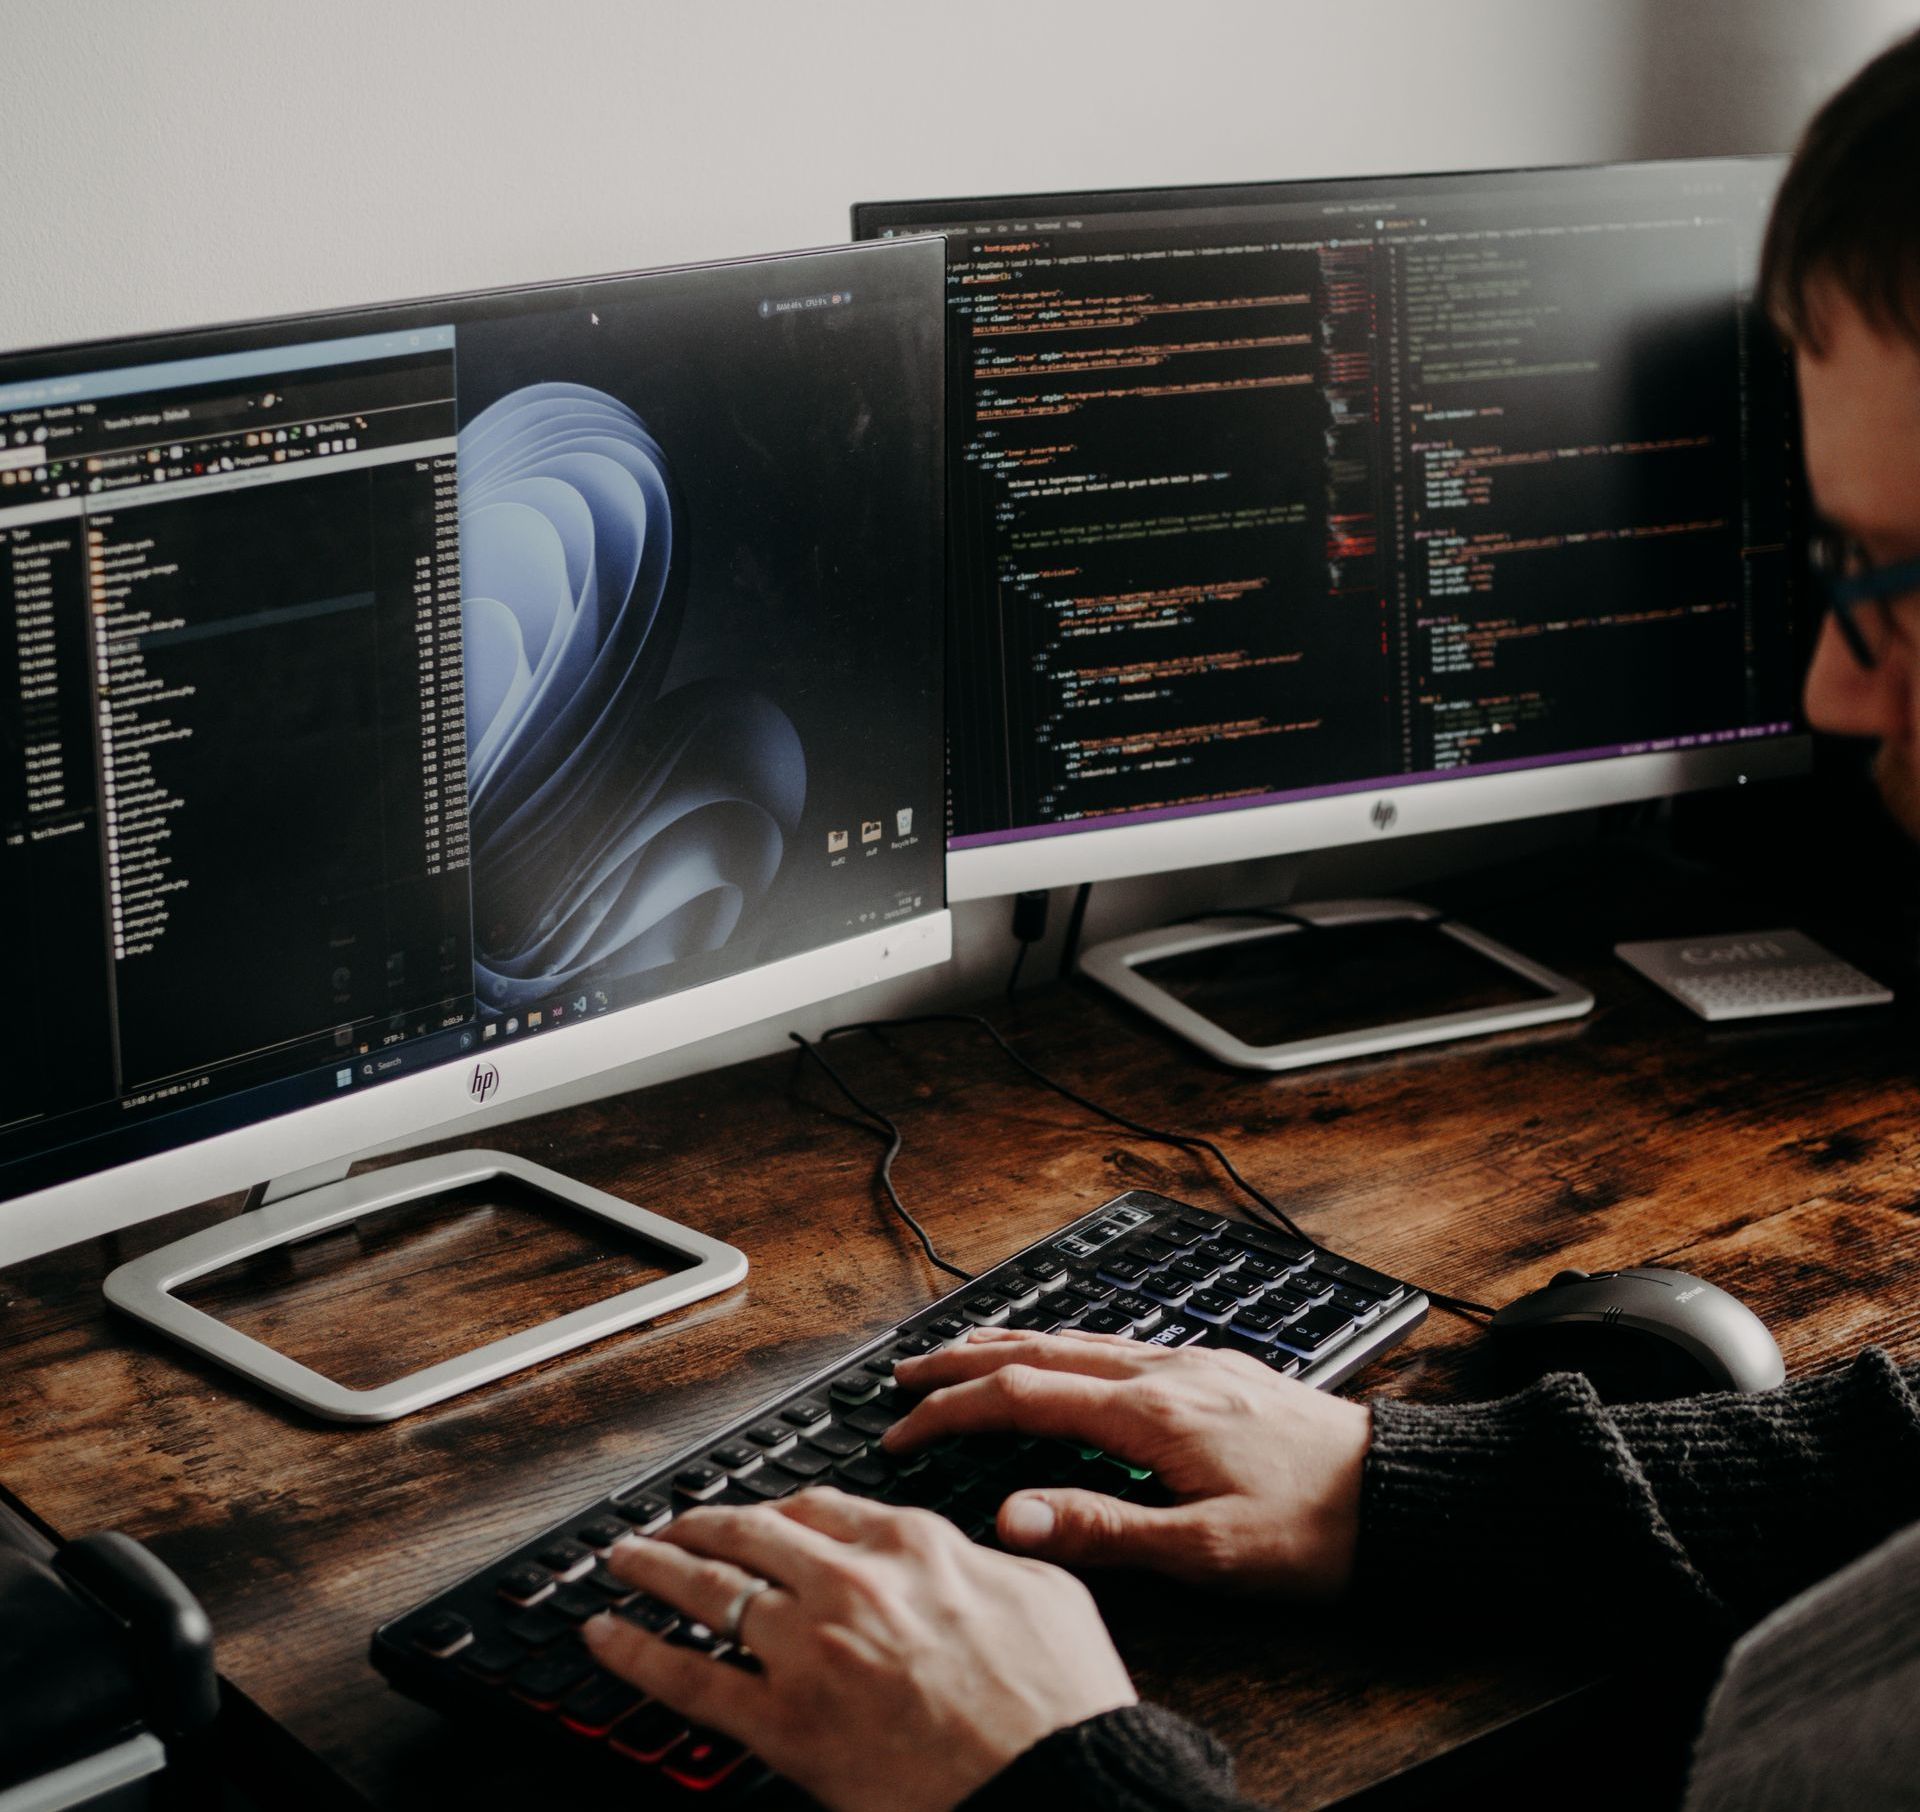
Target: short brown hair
(1848, 211)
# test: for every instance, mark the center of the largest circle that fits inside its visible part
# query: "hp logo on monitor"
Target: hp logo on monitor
(485, 1082)
(1385, 814)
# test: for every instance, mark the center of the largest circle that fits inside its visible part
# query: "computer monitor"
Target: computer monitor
(1300, 514)
(412, 709)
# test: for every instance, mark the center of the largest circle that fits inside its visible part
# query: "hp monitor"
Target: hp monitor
(1298, 514)
(411, 709)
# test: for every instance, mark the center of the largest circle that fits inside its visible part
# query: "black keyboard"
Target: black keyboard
(502, 1644)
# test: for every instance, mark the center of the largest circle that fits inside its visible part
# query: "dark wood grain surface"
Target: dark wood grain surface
(1782, 1163)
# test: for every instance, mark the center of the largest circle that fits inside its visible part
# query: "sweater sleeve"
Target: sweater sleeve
(1715, 1508)
(1141, 1758)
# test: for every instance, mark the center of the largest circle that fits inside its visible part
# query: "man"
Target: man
(903, 1668)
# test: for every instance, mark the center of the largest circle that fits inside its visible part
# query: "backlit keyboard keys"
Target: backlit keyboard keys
(987, 1310)
(594, 1709)
(704, 1760)
(525, 1585)
(772, 1438)
(699, 1483)
(806, 1415)
(566, 1559)
(547, 1679)
(443, 1636)
(806, 1461)
(1317, 1329)
(646, 1510)
(1212, 1305)
(1143, 1312)
(1106, 1321)
(649, 1734)
(600, 1534)
(851, 1389)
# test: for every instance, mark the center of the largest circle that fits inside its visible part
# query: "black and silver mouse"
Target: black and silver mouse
(1640, 1334)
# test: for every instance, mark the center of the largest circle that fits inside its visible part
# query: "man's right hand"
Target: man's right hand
(1265, 1471)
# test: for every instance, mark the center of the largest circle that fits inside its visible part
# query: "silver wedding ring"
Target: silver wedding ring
(737, 1610)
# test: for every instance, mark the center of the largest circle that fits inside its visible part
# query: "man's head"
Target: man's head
(1840, 277)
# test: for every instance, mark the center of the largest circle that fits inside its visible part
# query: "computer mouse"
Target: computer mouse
(1640, 1334)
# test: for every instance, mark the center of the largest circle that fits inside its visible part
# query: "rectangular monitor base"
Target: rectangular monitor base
(145, 1287)
(1203, 981)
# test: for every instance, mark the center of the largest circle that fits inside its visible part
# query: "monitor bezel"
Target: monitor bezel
(1394, 806)
(437, 1102)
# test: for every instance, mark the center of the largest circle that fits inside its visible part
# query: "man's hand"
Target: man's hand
(1266, 1471)
(901, 1666)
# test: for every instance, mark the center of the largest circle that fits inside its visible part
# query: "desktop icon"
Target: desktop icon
(579, 1003)
(513, 1025)
(836, 842)
(903, 821)
(343, 1078)
(533, 1019)
(870, 830)
(489, 1030)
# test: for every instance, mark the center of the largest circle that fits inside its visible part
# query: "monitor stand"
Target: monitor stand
(318, 1201)
(1244, 989)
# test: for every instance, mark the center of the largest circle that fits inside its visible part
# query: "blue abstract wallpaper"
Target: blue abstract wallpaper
(617, 824)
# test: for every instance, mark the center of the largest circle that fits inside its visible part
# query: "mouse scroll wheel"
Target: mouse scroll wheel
(1565, 1277)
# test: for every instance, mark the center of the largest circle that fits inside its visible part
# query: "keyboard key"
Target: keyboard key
(736, 1456)
(771, 1483)
(986, 1310)
(852, 1388)
(1020, 1292)
(911, 1346)
(600, 1534)
(594, 1709)
(576, 1603)
(545, 1680)
(1042, 1318)
(650, 1615)
(1304, 1291)
(1195, 1271)
(806, 1461)
(1218, 1252)
(525, 1584)
(1205, 1226)
(1049, 1273)
(1126, 1271)
(1262, 1270)
(1262, 1323)
(1212, 1305)
(443, 1636)
(699, 1483)
(704, 1760)
(609, 1585)
(842, 1442)
(645, 1510)
(772, 1438)
(1142, 1311)
(1317, 1329)
(535, 1629)
(865, 1474)
(1151, 1250)
(873, 1419)
(806, 1415)
(1278, 1359)
(1361, 1307)
(491, 1662)
(1282, 1246)
(1172, 1291)
(567, 1559)
(650, 1734)
(948, 1327)
(1106, 1321)
(1345, 1271)
(1089, 1290)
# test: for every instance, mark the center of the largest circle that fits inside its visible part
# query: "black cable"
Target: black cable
(1185, 1141)
(1452, 1305)
(878, 1121)
(1019, 962)
(1076, 918)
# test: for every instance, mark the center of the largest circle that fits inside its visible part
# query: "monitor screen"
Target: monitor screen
(391, 688)
(1273, 494)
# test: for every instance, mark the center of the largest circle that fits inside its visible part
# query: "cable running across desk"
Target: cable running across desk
(880, 1122)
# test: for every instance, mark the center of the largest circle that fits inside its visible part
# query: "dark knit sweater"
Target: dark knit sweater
(1710, 1510)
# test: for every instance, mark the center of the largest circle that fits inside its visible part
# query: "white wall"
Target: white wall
(167, 164)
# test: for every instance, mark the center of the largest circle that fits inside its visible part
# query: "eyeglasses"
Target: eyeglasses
(1843, 571)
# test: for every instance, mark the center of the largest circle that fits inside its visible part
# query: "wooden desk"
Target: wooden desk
(1783, 1164)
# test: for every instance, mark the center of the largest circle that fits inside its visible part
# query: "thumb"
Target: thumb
(1087, 1528)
